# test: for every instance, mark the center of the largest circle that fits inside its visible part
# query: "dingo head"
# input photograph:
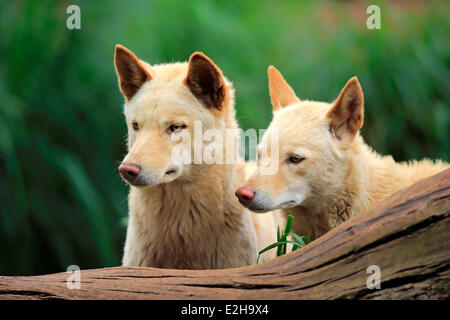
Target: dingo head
(162, 103)
(315, 143)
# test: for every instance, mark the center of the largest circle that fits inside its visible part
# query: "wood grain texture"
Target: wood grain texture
(407, 236)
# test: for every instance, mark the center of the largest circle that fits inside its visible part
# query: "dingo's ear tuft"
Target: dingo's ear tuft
(205, 80)
(281, 93)
(131, 72)
(347, 113)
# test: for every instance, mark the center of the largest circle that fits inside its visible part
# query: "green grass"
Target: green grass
(282, 240)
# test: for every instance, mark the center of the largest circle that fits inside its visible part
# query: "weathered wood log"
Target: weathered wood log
(406, 236)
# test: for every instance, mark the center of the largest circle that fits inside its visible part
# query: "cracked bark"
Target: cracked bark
(407, 236)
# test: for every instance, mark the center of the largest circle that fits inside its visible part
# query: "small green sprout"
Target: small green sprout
(282, 241)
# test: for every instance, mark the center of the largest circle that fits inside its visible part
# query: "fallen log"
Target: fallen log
(406, 237)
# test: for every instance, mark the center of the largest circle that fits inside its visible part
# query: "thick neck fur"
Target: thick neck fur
(194, 222)
(189, 225)
(367, 179)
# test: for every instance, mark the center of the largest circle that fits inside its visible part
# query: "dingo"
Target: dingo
(182, 215)
(324, 165)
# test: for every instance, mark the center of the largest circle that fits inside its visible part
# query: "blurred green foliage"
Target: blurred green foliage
(62, 133)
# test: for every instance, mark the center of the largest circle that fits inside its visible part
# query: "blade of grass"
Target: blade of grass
(287, 229)
(273, 245)
(298, 238)
(279, 249)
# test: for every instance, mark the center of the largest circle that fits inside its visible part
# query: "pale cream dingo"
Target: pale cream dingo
(326, 173)
(183, 215)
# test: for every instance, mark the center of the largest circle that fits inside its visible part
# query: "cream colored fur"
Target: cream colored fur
(191, 220)
(340, 176)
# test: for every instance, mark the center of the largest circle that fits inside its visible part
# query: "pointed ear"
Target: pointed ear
(347, 113)
(205, 80)
(131, 72)
(281, 93)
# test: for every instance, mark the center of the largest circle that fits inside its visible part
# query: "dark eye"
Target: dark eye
(135, 126)
(295, 159)
(176, 127)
